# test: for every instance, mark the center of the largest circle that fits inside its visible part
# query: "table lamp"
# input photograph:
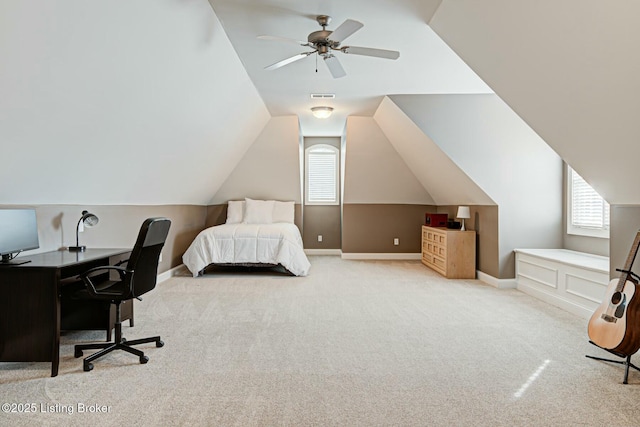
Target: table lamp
(88, 220)
(463, 213)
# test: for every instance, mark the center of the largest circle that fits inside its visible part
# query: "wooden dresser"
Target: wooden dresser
(451, 253)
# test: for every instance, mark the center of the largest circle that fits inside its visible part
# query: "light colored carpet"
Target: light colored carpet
(356, 343)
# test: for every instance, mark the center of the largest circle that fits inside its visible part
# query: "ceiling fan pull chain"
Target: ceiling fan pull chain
(316, 62)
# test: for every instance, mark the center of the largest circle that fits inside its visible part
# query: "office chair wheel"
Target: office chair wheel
(144, 359)
(159, 343)
(88, 367)
(77, 353)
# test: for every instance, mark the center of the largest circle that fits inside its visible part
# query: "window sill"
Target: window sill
(586, 232)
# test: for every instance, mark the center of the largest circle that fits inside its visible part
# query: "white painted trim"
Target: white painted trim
(170, 273)
(323, 251)
(495, 282)
(383, 256)
(582, 260)
(556, 300)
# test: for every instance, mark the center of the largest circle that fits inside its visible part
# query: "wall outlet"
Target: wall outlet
(396, 241)
(319, 237)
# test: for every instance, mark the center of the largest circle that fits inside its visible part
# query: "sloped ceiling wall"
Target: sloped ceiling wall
(569, 69)
(143, 112)
(270, 169)
(374, 171)
(439, 175)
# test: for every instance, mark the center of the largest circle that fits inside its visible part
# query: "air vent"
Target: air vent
(323, 95)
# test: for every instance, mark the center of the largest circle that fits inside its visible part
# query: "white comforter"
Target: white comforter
(278, 243)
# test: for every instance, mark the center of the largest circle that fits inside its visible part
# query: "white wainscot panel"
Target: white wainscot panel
(538, 272)
(589, 289)
(571, 280)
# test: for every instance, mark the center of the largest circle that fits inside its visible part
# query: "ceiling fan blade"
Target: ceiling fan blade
(283, 39)
(367, 51)
(335, 68)
(288, 61)
(345, 29)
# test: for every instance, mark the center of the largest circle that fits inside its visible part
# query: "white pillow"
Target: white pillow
(235, 211)
(284, 211)
(258, 211)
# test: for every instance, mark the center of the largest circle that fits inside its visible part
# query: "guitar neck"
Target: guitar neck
(629, 263)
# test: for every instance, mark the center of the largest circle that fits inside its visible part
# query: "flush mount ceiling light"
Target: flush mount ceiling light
(321, 112)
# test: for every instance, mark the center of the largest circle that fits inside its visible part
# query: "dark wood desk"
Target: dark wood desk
(30, 308)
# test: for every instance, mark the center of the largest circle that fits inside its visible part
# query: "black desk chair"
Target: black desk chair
(138, 278)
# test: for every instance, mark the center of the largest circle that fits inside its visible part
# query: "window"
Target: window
(321, 165)
(588, 212)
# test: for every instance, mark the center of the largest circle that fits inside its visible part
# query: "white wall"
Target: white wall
(119, 102)
(374, 171)
(270, 167)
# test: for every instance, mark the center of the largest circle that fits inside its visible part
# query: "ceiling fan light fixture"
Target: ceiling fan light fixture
(321, 112)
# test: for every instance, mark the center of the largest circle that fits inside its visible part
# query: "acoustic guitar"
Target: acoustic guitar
(615, 325)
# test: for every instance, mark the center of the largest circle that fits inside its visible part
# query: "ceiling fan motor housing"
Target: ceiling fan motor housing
(319, 37)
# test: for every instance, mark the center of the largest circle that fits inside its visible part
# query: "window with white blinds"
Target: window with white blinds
(321, 165)
(588, 211)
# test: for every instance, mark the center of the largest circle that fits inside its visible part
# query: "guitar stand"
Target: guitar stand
(626, 362)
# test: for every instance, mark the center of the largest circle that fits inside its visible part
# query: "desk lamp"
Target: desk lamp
(463, 213)
(88, 220)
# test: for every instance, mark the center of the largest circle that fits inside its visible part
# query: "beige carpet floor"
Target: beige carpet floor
(356, 343)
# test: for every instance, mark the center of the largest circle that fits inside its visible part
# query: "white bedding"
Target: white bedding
(278, 243)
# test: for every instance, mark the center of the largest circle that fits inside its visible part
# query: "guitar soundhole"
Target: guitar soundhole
(616, 298)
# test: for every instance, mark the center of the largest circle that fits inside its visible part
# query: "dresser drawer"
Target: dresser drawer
(439, 250)
(434, 236)
(439, 263)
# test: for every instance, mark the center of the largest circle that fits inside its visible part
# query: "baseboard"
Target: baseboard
(323, 251)
(497, 283)
(383, 256)
(365, 256)
(170, 273)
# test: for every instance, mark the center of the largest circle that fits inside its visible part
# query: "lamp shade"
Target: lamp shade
(87, 220)
(463, 212)
(321, 112)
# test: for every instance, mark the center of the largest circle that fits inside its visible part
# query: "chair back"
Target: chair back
(145, 254)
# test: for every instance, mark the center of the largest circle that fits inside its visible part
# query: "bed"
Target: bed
(256, 233)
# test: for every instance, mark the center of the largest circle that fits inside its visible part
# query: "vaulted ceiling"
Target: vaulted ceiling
(425, 65)
(148, 102)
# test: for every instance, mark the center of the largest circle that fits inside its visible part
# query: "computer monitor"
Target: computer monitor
(18, 232)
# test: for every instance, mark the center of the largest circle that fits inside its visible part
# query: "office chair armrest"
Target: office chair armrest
(86, 278)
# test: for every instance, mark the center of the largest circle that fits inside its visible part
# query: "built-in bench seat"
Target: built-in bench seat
(574, 281)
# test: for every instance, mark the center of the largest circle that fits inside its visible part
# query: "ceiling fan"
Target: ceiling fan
(324, 42)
